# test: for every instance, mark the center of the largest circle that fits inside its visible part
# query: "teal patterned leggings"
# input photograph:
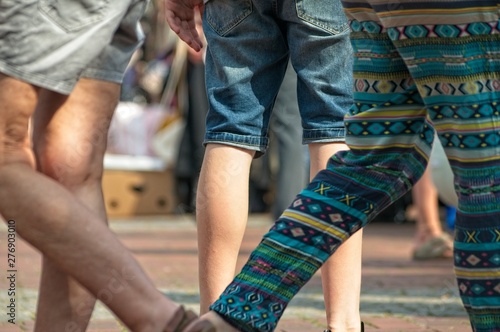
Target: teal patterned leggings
(411, 81)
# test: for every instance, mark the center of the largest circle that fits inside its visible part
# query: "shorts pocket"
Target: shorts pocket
(73, 15)
(224, 15)
(327, 15)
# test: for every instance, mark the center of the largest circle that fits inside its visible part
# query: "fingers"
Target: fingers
(181, 20)
(190, 35)
(185, 32)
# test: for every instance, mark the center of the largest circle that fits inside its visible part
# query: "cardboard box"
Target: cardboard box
(132, 192)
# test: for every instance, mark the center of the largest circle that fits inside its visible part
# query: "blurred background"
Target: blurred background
(155, 146)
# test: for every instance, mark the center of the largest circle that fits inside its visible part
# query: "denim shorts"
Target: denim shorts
(250, 43)
(51, 43)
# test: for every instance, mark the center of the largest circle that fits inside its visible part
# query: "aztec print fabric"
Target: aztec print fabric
(420, 67)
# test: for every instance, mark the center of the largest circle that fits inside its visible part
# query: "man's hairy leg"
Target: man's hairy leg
(76, 239)
(69, 136)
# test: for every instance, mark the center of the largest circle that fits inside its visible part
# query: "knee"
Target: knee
(73, 165)
(15, 146)
(17, 102)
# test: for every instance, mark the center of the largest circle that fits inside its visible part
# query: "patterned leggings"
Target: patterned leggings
(420, 68)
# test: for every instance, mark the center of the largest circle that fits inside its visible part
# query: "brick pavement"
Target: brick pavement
(398, 295)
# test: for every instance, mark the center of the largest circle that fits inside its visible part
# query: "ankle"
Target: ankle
(351, 327)
(161, 312)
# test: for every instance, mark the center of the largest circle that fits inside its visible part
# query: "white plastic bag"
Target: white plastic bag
(133, 127)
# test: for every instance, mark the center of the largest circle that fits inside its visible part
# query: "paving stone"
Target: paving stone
(398, 294)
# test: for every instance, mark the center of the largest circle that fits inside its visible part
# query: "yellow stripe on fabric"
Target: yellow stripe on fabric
(309, 221)
(395, 112)
(439, 11)
(363, 75)
(475, 160)
(466, 127)
(471, 274)
(358, 10)
(386, 146)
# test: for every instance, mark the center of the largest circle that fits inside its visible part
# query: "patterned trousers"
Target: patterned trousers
(421, 67)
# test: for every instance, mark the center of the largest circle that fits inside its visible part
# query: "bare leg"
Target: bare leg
(221, 215)
(81, 122)
(49, 217)
(341, 273)
(428, 224)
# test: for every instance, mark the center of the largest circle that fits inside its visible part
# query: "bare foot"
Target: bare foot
(210, 322)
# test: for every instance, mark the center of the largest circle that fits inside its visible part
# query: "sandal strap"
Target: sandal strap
(181, 319)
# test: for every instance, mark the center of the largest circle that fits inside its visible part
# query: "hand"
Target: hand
(180, 16)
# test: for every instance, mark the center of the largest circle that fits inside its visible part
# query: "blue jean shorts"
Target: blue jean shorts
(250, 43)
(51, 43)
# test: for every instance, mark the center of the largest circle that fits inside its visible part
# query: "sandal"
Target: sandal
(438, 247)
(181, 320)
(210, 324)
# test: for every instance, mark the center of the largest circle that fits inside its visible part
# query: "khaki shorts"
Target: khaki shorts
(51, 43)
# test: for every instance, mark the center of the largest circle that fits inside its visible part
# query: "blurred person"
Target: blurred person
(246, 60)
(431, 241)
(286, 128)
(420, 68)
(61, 65)
(191, 150)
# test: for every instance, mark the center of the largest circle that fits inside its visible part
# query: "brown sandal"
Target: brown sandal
(181, 320)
